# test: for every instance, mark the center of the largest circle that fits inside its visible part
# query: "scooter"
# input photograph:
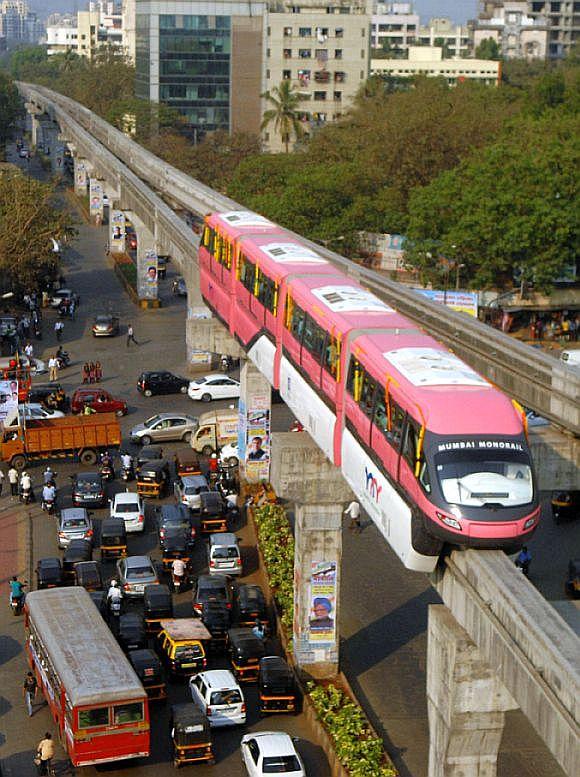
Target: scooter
(177, 581)
(48, 506)
(115, 606)
(26, 495)
(127, 474)
(17, 604)
(107, 471)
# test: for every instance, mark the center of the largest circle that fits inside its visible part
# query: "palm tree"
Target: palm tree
(284, 112)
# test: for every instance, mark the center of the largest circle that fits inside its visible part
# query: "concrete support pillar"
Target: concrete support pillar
(81, 176)
(57, 148)
(254, 424)
(317, 563)
(147, 280)
(465, 700)
(117, 234)
(96, 200)
(34, 132)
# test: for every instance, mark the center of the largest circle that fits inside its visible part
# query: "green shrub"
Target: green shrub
(360, 752)
(127, 269)
(277, 545)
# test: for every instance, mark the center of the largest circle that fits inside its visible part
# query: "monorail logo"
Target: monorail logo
(497, 445)
(372, 485)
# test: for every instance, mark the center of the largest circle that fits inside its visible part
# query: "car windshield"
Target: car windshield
(150, 421)
(144, 571)
(88, 485)
(127, 507)
(199, 381)
(280, 764)
(231, 696)
(225, 553)
(476, 479)
(74, 523)
(192, 490)
(103, 320)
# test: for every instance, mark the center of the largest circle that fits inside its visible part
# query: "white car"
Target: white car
(229, 455)
(130, 507)
(60, 295)
(271, 752)
(219, 696)
(34, 411)
(216, 386)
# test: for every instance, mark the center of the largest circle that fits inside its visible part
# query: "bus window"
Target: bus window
(127, 713)
(97, 716)
(314, 337)
(367, 396)
(297, 322)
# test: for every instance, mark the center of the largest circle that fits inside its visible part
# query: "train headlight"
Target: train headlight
(446, 519)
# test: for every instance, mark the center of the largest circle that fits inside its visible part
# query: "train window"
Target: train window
(354, 381)
(397, 421)
(332, 356)
(424, 477)
(267, 292)
(381, 420)
(224, 255)
(247, 273)
(409, 449)
(314, 337)
(367, 395)
(207, 237)
(297, 322)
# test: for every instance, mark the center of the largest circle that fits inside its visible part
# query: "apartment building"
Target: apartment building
(428, 61)
(563, 18)
(507, 22)
(322, 48)
(394, 27)
(455, 39)
(61, 38)
(100, 26)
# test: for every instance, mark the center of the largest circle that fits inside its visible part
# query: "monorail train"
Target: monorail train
(436, 453)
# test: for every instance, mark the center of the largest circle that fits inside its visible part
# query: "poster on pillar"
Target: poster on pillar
(96, 200)
(147, 285)
(117, 231)
(80, 177)
(257, 447)
(322, 621)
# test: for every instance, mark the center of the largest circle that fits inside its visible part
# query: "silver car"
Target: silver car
(135, 572)
(164, 426)
(188, 488)
(74, 523)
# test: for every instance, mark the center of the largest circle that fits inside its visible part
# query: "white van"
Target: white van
(571, 357)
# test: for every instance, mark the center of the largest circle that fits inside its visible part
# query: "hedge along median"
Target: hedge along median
(354, 745)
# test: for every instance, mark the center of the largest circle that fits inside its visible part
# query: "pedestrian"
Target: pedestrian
(71, 310)
(131, 335)
(86, 373)
(58, 327)
(91, 372)
(26, 326)
(13, 480)
(45, 754)
(1, 481)
(30, 686)
(353, 511)
(53, 368)
(98, 372)
(29, 350)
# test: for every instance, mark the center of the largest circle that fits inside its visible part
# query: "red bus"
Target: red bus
(96, 699)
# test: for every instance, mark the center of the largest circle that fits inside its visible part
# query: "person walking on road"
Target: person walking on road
(58, 329)
(45, 753)
(30, 686)
(13, 480)
(29, 350)
(353, 511)
(131, 335)
(52, 369)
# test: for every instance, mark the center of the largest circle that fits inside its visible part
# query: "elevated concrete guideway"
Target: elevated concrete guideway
(520, 640)
(533, 378)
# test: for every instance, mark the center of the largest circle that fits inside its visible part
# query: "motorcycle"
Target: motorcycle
(17, 604)
(63, 360)
(177, 581)
(107, 471)
(48, 506)
(115, 606)
(26, 495)
(127, 473)
(225, 364)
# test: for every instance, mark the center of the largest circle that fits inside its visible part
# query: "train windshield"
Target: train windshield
(485, 478)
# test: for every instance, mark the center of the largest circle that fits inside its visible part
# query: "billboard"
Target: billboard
(8, 401)
(117, 231)
(257, 448)
(147, 272)
(96, 198)
(462, 301)
(322, 618)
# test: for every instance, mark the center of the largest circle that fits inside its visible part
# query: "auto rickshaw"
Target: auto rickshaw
(565, 505)
(131, 635)
(179, 644)
(49, 573)
(245, 651)
(157, 604)
(77, 550)
(573, 581)
(88, 575)
(216, 617)
(100, 601)
(153, 479)
(191, 735)
(187, 462)
(277, 686)
(113, 538)
(148, 669)
(251, 605)
(176, 544)
(213, 513)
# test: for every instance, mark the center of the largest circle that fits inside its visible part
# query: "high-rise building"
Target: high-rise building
(564, 24)
(128, 25)
(100, 26)
(507, 22)
(203, 58)
(17, 23)
(322, 48)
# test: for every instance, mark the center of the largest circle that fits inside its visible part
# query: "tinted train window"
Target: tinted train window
(367, 395)
(332, 356)
(247, 274)
(207, 237)
(296, 322)
(314, 337)
(267, 292)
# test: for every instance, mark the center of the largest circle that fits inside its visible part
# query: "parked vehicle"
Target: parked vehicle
(161, 382)
(219, 696)
(215, 386)
(188, 490)
(105, 325)
(130, 508)
(134, 573)
(277, 686)
(63, 295)
(113, 538)
(213, 512)
(74, 523)
(180, 288)
(88, 488)
(148, 669)
(164, 426)
(80, 436)
(88, 575)
(49, 573)
(190, 735)
(245, 651)
(98, 400)
(131, 633)
(212, 588)
(75, 552)
(250, 605)
(216, 429)
(157, 606)
(35, 411)
(229, 454)
(170, 517)
(565, 505)
(223, 554)
(180, 645)
(573, 580)
(267, 752)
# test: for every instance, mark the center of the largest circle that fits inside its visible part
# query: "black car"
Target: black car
(132, 634)
(175, 516)
(212, 588)
(49, 395)
(88, 488)
(161, 382)
(49, 573)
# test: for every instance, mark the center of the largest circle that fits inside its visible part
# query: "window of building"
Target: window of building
(344, 10)
(305, 32)
(286, 75)
(267, 74)
(305, 53)
(363, 32)
(287, 53)
(339, 77)
(320, 95)
(338, 53)
(338, 97)
(287, 32)
(321, 54)
(339, 32)
(295, 9)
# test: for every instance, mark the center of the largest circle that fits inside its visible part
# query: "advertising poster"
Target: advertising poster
(96, 198)
(117, 231)
(462, 301)
(8, 401)
(147, 268)
(242, 426)
(80, 177)
(257, 448)
(322, 622)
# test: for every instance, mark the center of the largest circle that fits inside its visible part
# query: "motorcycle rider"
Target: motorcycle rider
(48, 495)
(49, 476)
(26, 486)
(178, 568)
(16, 590)
(524, 560)
(127, 462)
(114, 593)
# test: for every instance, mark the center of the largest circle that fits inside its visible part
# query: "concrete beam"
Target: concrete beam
(556, 457)
(534, 652)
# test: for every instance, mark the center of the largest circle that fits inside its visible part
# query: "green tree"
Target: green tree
(283, 114)
(488, 49)
(9, 106)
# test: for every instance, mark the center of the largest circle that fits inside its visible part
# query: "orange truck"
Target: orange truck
(80, 436)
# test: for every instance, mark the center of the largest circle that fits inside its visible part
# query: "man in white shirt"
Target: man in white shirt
(52, 368)
(353, 511)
